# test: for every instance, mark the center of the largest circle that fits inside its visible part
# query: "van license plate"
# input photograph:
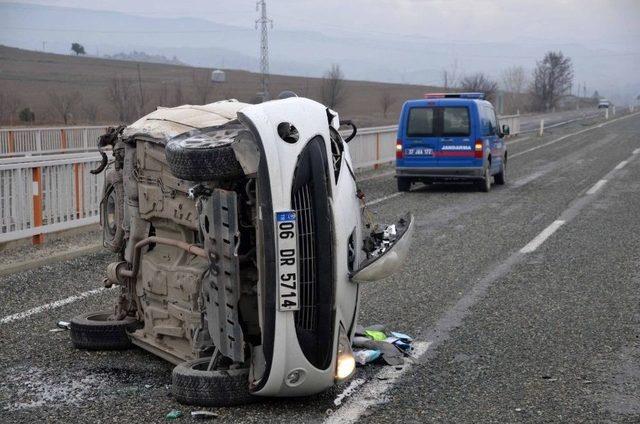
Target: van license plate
(419, 151)
(287, 236)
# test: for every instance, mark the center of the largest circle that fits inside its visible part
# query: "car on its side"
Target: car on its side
(450, 137)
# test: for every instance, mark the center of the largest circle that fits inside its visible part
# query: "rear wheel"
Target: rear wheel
(194, 385)
(404, 184)
(201, 159)
(501, 177)
(485, 182)
(95, 331)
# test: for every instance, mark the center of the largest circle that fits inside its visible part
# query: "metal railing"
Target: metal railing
(36, 141)
(44, 194)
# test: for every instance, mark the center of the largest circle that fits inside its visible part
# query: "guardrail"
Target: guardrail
(35, 141)
(44, 194)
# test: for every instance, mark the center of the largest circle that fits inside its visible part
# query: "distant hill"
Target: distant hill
(36, 80)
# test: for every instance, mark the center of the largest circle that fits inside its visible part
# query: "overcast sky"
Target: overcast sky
(608, 23)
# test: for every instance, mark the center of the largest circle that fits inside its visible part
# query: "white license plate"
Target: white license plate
(287, 236)
(419, 151)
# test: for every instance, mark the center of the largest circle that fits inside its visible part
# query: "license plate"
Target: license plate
(287, 236)
(419, 151)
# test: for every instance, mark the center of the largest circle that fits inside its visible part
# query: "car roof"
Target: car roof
(445, 102)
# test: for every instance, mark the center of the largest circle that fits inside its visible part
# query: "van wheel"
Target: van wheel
(194, 385)
(485, 182)
(404, 184)
(501, 177)
(94, 331)
(202, 160)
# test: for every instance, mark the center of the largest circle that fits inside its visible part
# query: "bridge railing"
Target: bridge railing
(35, 141)
(41, 194)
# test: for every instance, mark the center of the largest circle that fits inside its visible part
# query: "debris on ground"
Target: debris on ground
(204, 415)
(173, 415)
(64, 325)
(375, 342)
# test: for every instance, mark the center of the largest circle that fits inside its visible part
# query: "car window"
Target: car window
(488, 121)
(421, 122)
(493, 124)
(455, 121)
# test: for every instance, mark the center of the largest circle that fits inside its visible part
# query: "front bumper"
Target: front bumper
(440, 173)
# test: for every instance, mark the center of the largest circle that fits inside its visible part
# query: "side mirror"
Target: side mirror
(387, 256)
(505, 129)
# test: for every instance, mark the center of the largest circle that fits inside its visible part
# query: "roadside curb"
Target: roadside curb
(70, 254)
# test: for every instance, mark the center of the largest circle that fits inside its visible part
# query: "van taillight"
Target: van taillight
(478, 149)
(399, 151)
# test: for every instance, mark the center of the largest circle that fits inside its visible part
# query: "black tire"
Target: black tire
(194, 385)
(195, 160)
(404, 184)
(501, 177)
(485, 183)
(94, 332)
(112, 212)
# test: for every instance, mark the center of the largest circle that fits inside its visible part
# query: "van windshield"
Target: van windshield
(438, 121)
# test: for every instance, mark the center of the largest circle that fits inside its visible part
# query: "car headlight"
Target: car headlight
(345, 362)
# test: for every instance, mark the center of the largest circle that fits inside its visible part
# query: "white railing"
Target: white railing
(44, 194)
(36, 141)
(513, 121)
(39, 196)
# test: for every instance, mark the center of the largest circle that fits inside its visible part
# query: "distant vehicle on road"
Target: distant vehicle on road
(604, 104)
(450, 137)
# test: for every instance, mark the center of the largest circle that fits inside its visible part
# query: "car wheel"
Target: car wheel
(95, 331)
(501, 177)
(485, 182)
(404, 184)
(199, 159)
(194, 385)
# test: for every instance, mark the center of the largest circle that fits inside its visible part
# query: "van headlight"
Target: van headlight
(345, 362)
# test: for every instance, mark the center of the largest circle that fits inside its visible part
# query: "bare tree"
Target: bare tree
(450, 76)
(552, 80)
(123, 98)
(386, 100)
(202, 85)
(481, 83)
(514, 82)
(333, 91)
(178, 94)
(9, 105)
(63, 105)
(90, 110)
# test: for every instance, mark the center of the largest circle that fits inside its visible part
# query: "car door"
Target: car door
(495, 142)
(421, 141)
(456, 144)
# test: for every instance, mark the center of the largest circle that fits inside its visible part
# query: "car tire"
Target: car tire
(192, 384)
(501, 177)
(194, 160)
(94, 331)
(404, 184)
(485, 182)
(112, 212)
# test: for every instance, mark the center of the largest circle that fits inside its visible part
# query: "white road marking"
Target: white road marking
(597, 185)
(509, 143)
(540, 238)
(621, 164)
(52, 305)
(635, 152)
(374, 392)
(382, 199)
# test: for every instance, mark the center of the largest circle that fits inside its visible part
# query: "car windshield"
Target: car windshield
(438, 121)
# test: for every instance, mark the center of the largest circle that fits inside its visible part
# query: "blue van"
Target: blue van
(450, 137)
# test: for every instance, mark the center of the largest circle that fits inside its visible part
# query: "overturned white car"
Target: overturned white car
(241, 248)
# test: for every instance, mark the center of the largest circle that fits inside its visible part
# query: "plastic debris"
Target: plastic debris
(173, 415)
(65, 325)
(376, 344)
(56, 330)
(204, 415)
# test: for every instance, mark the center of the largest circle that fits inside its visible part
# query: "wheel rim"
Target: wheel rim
(103, 316)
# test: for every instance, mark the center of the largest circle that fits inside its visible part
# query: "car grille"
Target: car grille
(306, 317)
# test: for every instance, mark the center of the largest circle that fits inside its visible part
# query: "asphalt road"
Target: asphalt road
(531, 122)
(524, 303)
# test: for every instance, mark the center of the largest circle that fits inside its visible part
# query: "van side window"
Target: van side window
(493, 129)
(488, 121)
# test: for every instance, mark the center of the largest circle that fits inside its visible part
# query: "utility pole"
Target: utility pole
(261, 6)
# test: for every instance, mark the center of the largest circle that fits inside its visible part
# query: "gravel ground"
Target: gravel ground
(553, 338)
